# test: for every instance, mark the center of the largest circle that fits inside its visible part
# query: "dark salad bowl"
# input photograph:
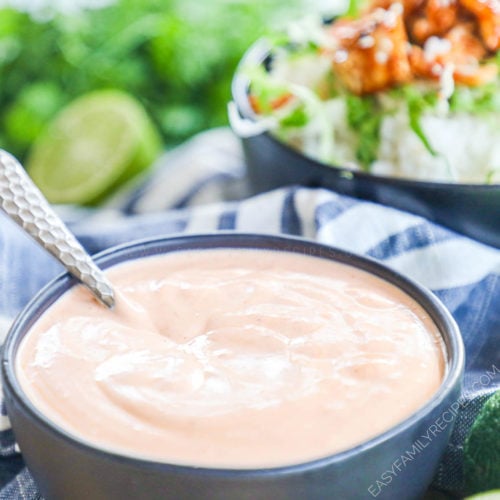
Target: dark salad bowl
(470, 209)
(67, 467)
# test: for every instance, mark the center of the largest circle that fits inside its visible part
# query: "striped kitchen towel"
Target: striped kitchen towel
(200, 187)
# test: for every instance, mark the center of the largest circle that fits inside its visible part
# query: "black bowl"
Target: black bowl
(65, 467)
(471, 209)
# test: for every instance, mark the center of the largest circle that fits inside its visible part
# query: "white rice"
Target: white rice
(467, 147)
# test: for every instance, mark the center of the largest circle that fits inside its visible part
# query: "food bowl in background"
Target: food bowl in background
(67, 467)
(470, 209)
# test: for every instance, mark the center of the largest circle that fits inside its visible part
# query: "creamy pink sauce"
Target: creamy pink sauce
(232, 358)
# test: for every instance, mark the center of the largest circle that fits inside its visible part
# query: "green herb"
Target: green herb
(414, 114)
(176, 56)
(418, 102)
(365, 117)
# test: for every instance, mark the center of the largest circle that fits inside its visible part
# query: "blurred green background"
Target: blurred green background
(176, 56)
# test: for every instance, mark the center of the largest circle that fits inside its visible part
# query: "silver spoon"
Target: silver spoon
(23, 202)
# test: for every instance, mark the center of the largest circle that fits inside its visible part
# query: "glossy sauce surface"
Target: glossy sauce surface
(232, 358)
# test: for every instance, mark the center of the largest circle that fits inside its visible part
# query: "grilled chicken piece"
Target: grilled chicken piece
(459, 51)
(372, 51)
(488, 17)
(437, 18)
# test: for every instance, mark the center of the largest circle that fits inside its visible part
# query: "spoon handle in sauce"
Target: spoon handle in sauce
(23, 202)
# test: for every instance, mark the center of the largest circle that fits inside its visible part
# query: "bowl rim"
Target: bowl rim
(148, 247)
(257, 53)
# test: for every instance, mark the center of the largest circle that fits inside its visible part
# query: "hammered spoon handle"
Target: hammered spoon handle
(23, 202)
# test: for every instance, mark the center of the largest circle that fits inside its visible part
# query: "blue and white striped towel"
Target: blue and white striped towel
(194, 189)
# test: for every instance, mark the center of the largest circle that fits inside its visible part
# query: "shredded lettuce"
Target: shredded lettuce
(476, 100)
(298, 117)
(490, 176)
(281, 41)
(314, 108)
(264, 89)
(266, 92)
(305, 107)
(354, 8)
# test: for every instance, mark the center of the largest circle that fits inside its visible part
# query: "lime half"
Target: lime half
(94, 145)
